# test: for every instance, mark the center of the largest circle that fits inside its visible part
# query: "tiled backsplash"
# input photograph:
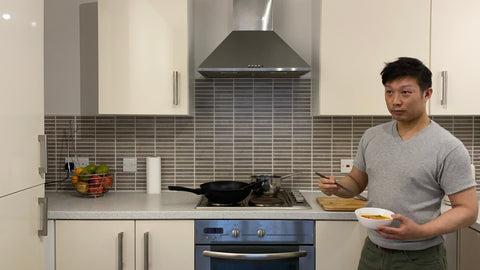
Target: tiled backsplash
(241, 127)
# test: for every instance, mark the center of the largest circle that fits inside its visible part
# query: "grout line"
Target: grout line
(115, 150)
(351, 139)
(233, 131)
(214, 131)
(154, 137)
(291, 130)
(174, 150)
(273, 123)
(331, 144)
(253, 127)
(95, 136)
(135, 150)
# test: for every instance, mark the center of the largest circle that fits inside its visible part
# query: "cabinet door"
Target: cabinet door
(21, 86)
(455, 49)
(170, 244)
(338, 244)
(141, 43)
(357, 38)
(20, 245)
(469, 249)
(94, 245)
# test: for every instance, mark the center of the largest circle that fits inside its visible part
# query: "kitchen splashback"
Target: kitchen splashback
(241, 127)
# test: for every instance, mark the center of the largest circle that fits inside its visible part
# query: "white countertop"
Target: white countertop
(172, 205)
(178, 205)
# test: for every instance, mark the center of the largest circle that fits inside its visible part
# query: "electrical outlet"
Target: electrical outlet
(346, 165)
(129, 164)
(78, 162)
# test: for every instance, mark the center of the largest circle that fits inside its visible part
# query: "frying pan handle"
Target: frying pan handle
(197, 191)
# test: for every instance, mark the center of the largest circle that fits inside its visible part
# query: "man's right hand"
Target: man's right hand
(327, 185)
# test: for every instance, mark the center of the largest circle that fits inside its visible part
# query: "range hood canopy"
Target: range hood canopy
(253, 49)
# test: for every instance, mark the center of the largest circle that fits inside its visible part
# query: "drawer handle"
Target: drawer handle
(145, 250)
(120, 251)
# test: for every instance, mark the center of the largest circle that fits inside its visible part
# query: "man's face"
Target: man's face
(405, 100)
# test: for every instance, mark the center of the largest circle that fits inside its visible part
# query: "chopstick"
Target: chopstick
(346, 189)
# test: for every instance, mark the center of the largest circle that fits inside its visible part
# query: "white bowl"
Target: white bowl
(373, 223)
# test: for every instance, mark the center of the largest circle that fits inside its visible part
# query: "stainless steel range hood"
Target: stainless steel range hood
(253, 49)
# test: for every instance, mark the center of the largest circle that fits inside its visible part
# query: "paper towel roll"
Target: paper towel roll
(154, 175)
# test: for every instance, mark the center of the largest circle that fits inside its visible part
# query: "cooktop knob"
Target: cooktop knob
(235, 233)
(260, 233)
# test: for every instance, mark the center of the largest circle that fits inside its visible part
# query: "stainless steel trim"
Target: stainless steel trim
(44, 230)
(175, 88)
(252, 15)
(443, 100)
(254, 256)
(120, 251)
(145, 250)
(43, 154)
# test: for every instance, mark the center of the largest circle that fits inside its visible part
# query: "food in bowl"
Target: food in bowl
(372, 217)
(375, 216)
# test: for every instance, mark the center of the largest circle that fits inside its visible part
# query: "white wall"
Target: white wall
(292, 20)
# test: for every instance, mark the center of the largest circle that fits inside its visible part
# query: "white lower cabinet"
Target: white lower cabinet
(469, 258)
(338, 244)
(93, 244)
(111, 244)
(170, 244)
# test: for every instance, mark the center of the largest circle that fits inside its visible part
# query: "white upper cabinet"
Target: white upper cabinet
(455, 50)
(145, 57)
(356, 39)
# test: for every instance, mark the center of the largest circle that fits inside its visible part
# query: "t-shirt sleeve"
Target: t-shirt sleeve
(455, 174)
(359, 161)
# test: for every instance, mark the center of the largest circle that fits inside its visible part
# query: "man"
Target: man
(409, 165)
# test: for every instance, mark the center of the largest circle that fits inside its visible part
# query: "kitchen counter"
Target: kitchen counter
(178, 205)
(172, 205)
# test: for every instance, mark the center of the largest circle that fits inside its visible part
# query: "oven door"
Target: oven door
(254, 257)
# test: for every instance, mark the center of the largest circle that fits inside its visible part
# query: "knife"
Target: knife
(346, 189)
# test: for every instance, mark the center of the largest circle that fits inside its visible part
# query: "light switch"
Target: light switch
(129, 164)
(346, 165)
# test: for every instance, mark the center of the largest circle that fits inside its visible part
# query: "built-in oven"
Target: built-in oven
(254, 244)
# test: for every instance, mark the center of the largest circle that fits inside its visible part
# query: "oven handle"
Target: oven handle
(254, 256)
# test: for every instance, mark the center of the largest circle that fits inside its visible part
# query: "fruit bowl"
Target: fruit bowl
(93, 185)
(372, 217)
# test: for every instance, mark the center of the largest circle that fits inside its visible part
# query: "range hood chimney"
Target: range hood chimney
(253, 49)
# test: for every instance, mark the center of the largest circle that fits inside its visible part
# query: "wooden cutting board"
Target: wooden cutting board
(340, 204)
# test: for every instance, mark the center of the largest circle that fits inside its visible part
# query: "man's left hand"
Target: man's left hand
(408, 229)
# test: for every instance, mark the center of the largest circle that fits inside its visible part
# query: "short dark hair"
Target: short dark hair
(407, 67)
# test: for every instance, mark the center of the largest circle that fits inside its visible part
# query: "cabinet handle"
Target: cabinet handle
(443, 101)
(44, 230)
(120, 251)
(43, 154)
(175, 88)
(145, 250)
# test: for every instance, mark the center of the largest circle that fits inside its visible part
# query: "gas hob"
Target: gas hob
(284, 199)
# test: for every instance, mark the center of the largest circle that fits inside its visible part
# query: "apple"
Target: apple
(107, 181)
(96, 190)
(82, 187)
(95, 180)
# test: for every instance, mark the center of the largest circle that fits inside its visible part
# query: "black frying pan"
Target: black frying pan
(224, 192)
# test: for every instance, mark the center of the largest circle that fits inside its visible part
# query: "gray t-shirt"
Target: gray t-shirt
(411, 177)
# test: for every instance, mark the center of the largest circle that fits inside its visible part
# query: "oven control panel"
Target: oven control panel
(254, 231)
